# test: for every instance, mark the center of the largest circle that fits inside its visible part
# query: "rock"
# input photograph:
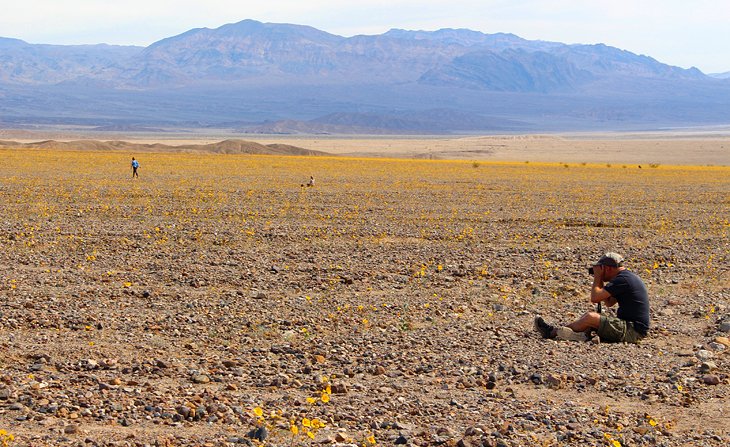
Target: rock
(72, 429)
(725, 341)
(146, 294)
(379, 370)
(161, 364)
(536, 379)
(710, 379)
(400, 440)
(704, 355)
(724, 326)
(717, 347)
(554, 381)
(201, 378)
(339, 388)
(258, 434)
(183, 411)
(706, 367)
(90, 363)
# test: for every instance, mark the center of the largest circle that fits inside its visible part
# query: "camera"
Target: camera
(590, 270)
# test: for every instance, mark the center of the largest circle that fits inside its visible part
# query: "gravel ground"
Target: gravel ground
(216, 302)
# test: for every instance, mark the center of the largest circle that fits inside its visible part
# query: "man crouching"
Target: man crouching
(621, 286)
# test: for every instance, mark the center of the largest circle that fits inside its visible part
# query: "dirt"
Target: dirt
(691, 147)
(396, 295)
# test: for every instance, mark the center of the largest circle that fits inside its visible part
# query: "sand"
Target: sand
(667, 148)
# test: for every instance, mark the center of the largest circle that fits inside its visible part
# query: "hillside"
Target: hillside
(299, 78)
(223, 147)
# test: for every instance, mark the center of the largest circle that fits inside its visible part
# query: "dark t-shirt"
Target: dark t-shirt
(633, 299)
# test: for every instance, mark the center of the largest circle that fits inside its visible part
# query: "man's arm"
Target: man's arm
(598, 293)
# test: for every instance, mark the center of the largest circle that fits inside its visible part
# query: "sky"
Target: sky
(677, 32)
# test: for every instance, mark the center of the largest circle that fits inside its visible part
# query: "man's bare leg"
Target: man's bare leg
(589, 320)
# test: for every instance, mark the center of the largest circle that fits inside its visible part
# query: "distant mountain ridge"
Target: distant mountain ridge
(221, 147)
(266, 73)
(248, 49)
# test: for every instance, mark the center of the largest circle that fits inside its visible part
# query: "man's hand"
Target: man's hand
(598, 293)
(598, 274)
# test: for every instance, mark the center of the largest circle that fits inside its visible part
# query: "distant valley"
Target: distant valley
(252, 77)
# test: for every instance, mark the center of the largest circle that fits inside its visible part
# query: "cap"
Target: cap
(611, 259)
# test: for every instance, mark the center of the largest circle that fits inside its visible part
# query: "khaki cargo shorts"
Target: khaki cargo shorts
(616, 330)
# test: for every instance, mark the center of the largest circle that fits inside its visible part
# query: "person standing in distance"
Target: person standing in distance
(135, 166)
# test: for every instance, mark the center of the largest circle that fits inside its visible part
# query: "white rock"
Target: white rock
(704, 354)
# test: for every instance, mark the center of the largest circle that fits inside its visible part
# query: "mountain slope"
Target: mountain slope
(295, 77)
(25, 63)
(510, 70)
(251, 50)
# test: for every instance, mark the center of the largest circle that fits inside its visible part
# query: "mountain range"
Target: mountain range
(254, 77)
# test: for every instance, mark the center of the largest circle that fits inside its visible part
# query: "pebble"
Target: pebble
(258, 434)
(725, 341)
(72, 429)
(430, 354)
(725, 326)
(704, 355)
(201, 378)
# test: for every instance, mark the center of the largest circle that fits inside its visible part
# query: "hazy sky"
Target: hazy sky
(678, 32)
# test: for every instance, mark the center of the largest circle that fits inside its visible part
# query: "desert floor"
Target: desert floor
(667, 148)
(215, 298)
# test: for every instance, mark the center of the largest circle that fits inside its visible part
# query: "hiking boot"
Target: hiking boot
(543, 328)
